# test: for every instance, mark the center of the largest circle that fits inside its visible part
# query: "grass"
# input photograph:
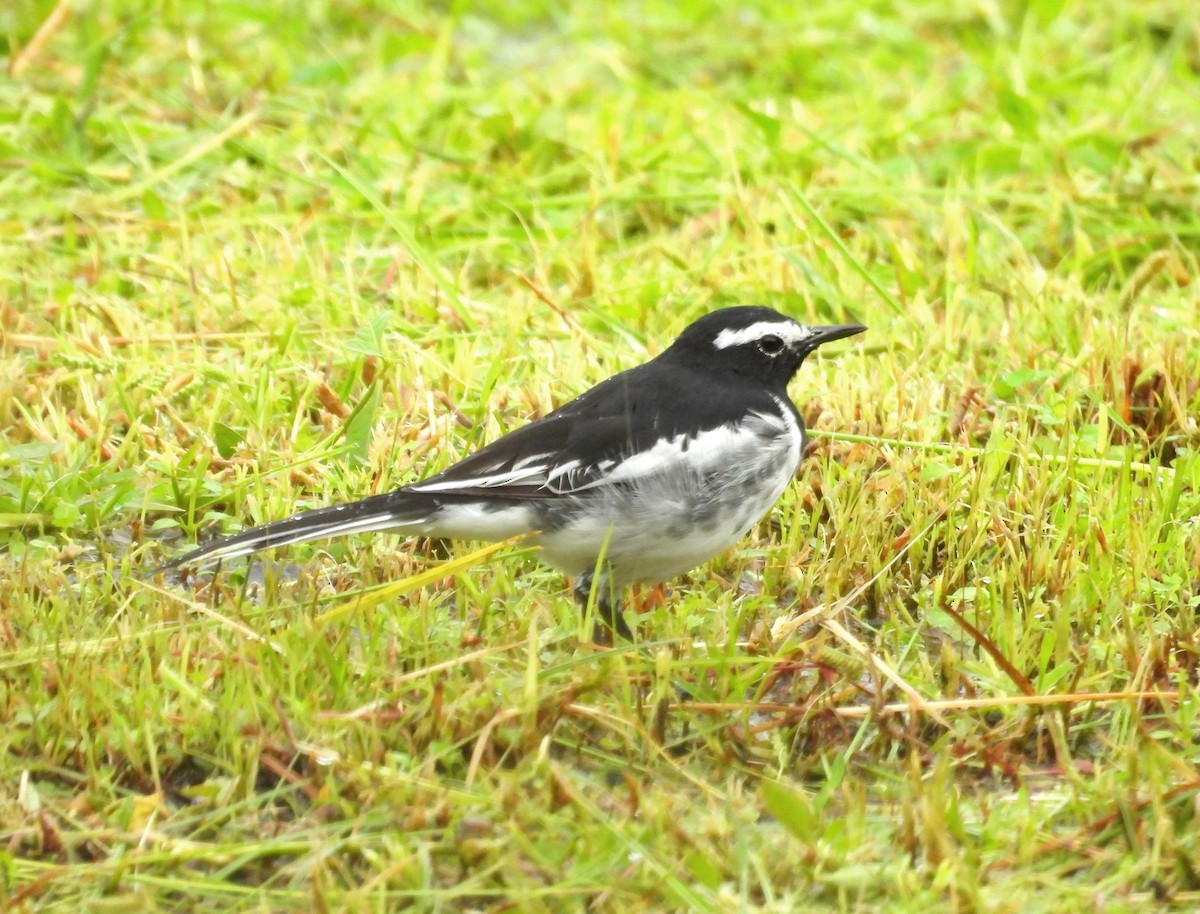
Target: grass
(258, 258)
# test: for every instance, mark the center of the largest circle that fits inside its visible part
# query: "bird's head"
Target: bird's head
(753, 342)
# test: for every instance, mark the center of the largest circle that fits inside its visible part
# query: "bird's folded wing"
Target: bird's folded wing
(636, 424)
(543, 459)
(523, 466)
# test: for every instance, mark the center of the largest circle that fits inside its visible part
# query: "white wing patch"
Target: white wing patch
(532, 458)
(710, 447)
(563, 469)
(523, 473)
(789, 331)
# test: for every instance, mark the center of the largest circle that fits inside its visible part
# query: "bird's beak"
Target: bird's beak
(819, 336)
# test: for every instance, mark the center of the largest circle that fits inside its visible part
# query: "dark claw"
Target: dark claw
(608, 608)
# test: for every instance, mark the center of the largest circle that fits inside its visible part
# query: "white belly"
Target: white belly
(665, 523)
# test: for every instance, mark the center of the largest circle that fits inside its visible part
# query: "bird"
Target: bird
(635, 481)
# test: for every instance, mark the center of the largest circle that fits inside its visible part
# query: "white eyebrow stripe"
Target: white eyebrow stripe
(789, 331)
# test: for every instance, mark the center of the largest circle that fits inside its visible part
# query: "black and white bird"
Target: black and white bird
(637, 480)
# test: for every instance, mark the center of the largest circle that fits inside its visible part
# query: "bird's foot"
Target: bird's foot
(647, 599)
(608, 607)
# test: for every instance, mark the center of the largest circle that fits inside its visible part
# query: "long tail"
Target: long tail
(392, 510)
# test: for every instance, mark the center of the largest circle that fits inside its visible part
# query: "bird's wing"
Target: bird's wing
(570, 449)
(620, 430)
(534, 461)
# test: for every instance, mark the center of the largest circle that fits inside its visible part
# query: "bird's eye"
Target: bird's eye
(770, 345)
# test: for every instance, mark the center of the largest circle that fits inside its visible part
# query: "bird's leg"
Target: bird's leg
(608, 606)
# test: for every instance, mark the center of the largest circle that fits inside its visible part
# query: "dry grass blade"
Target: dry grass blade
(918, 702)
(363, 601)
(50, 25)
(175, 596)
(1019, 679)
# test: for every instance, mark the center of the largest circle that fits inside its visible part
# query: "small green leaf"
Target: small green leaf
(360, 424)
(791, 808)
(227, 439)
(1010, 382)
(1019, 112)
(32, 452)
(152, 206)
(1046, 11)
(65, 515)
(704, 869)
(369, 339)
(495, 123)
(999, 159)
(934, 470)
(767, 125)
(1098, 152)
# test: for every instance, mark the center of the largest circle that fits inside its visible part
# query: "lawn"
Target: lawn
(262, 257)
